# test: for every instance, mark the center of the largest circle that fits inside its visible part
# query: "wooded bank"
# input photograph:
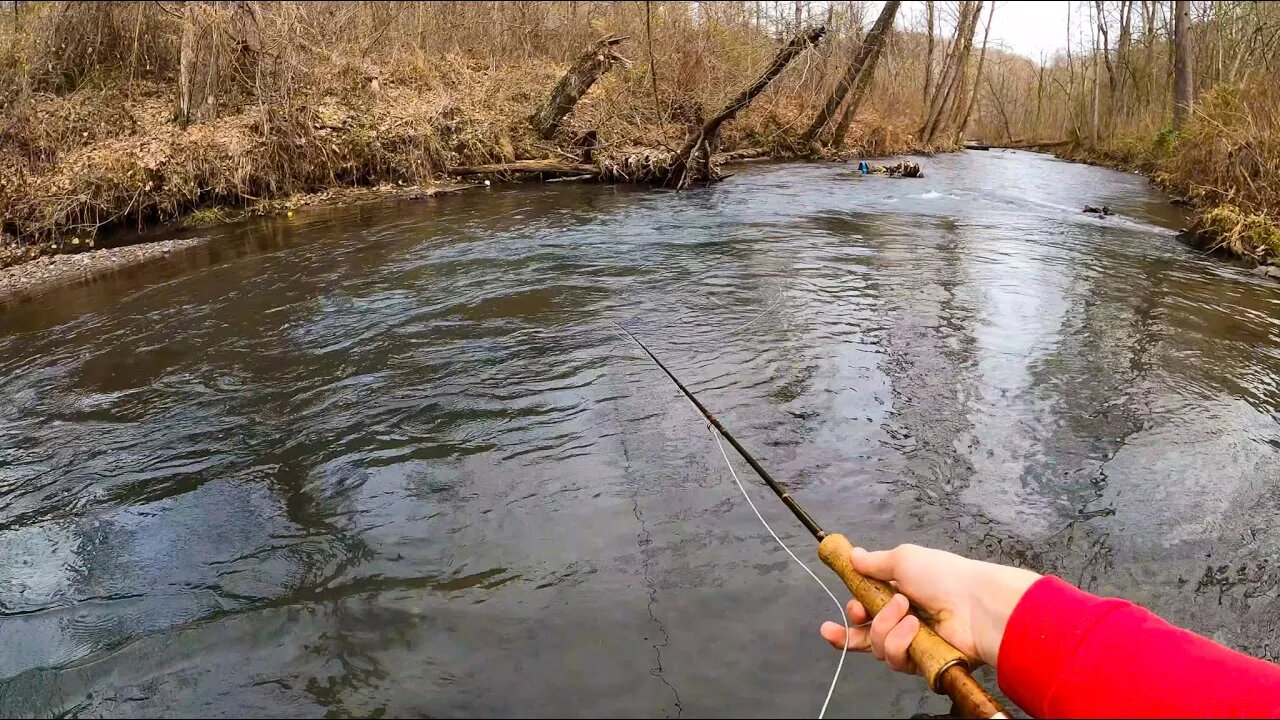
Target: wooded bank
(130, 113)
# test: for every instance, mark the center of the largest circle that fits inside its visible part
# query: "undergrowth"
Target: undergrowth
(1225, 161)
(288, 98)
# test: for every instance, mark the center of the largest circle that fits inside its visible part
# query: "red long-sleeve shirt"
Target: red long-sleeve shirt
(1067, 653)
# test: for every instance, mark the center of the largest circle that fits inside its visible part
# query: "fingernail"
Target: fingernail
(859, 551)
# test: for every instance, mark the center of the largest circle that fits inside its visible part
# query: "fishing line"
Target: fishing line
(742, 488)
(839, 608)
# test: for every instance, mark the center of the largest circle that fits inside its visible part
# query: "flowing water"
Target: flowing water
(394, 459)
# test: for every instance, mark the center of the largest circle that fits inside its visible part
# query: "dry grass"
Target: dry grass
(1245, 234)
(1112, 98)
(292, 98)
(1226, 161)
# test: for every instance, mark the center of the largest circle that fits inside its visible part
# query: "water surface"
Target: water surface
(395, 460)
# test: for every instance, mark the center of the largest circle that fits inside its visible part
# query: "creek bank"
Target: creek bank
(36, 277)
(1222, 221)
(29, 270)
(97, 258)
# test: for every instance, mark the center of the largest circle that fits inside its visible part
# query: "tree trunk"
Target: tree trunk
(1004, 116)
(582, 74)
(186, 64)
(945, 79)
(928, 62)
(653, 68)
(951, 114)
(866, 74)
(1039, 95)
(1181, 63)
(1123, 47)
(694, 159)
(1149, 47)
(869, 52)
(1112, 79)
(546, 167)
(977, 80)
(1094, 132)
(949, 81)
(1071, 81)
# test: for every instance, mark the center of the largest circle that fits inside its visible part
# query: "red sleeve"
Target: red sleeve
(1067, 653)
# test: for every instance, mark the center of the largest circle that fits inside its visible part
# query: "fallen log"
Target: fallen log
(1029, 145)
(578, 79)
(546, 167)
(693, 161)
(575, 178)
(738, 155)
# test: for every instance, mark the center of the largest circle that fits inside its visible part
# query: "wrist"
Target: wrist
(1002, 589)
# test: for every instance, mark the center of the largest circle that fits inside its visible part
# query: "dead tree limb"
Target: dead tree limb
(739, 155)
(694, 159)
(953, 70)
(1030, 144)
(977, 80)
(873, 44)
(549, 167)
(866, 57)
(581, 75)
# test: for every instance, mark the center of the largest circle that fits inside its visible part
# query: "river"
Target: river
(394, 459)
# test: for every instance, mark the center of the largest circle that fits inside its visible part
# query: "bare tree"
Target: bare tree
(1120, 96)
(928, 61)
(590, 65)
(868, 54)
(1113, 97)
(982, 59)
(1181, 62)
(186, 63)
(952, 71)
(1093, 25)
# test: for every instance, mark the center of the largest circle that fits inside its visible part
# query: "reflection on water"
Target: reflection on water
(393, 459)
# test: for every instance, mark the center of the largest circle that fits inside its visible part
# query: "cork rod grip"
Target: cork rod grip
(934, 656)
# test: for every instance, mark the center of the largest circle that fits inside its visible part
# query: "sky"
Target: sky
(1022, 26)
(1030, 28)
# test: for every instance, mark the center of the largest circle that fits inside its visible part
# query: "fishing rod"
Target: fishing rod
(945, 669)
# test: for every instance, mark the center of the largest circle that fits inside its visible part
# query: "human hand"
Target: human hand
(970, 602)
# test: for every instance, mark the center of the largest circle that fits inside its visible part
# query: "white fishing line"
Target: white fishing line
(742, 488)
(839, 608)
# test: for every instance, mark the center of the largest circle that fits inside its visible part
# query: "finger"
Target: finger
(834, 634)
(880, 564)
(856, 613)
(897, 642)
(888, 617)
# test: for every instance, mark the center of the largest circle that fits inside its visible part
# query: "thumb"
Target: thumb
(880, 564)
